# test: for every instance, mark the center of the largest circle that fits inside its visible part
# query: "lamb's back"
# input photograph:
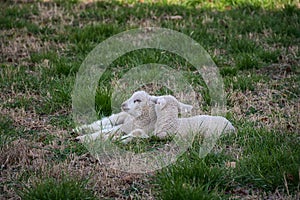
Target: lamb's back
(205, 124)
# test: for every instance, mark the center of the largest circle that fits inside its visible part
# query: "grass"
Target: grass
(8, 132)
(268, 161)
(253, 43)
(269, 158)
(50, 188)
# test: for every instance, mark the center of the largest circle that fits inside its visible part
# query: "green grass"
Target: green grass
(7, 130)
(266, 160)
(61, 121)
(193, 178)
(244, 81)
(268, 157)
(138, 145)
(252, 42)
(70, 148)
(49, 188)
(16, 17)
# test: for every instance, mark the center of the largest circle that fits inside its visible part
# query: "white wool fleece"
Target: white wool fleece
(138, 115)
(167, 107)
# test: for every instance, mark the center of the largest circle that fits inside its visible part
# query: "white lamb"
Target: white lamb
(137, 119)
(138, 115)
(166, 108)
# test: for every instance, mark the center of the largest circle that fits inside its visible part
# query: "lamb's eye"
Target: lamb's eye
(137, 101)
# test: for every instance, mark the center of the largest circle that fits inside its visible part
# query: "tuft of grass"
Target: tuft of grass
(270, 160)
(58, 65)
(228, 71)
(269, 56)
(69, 148)
(250, 4)
(49, 188)
(18, 17)
(243, 82)
(195, 178)
(138, 145)
(62, 121)
(93, 33)
(56, 95)
(20, 102)
(20, 78)
(103, 102)
(7, 131)
(243, 45)
(246, 62)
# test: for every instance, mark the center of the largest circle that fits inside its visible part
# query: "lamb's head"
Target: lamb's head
(169, 104)
(167, 109)
(137, 104)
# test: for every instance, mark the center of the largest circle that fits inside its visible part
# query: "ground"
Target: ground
(255, 46)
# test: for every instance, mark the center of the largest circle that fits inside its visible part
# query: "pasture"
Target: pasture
(255, 45)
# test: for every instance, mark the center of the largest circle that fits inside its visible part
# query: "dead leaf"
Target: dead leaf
(231, 164)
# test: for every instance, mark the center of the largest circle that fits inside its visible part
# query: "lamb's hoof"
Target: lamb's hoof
(162, 135)
(125, 139)
(79, 129)
(76, 130)
(73, 133)
(79, 139)
(230, 128)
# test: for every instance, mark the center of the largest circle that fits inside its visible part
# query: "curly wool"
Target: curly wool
(168, 122)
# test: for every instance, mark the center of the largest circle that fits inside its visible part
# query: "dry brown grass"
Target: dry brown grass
(21, 44)
(24, 156)
(270, 113)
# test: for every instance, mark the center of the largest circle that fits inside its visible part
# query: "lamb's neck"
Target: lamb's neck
(147, 117)
(167, 123)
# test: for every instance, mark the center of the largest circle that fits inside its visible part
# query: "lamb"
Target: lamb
(137, 119)
(166, 108)
(137, 116)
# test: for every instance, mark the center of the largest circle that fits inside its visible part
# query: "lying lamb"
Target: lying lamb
(138, 115)
(166, 108)
(137, 119)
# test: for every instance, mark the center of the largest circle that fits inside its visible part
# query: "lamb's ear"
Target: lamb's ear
(158, 101)
(162, 102)
(184, 108)
(153, 99)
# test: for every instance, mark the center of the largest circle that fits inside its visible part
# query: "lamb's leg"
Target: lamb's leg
(105, 123)
(162, 135)
(215, 126)
(137, 133)
(107, 133)
(89, 137)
